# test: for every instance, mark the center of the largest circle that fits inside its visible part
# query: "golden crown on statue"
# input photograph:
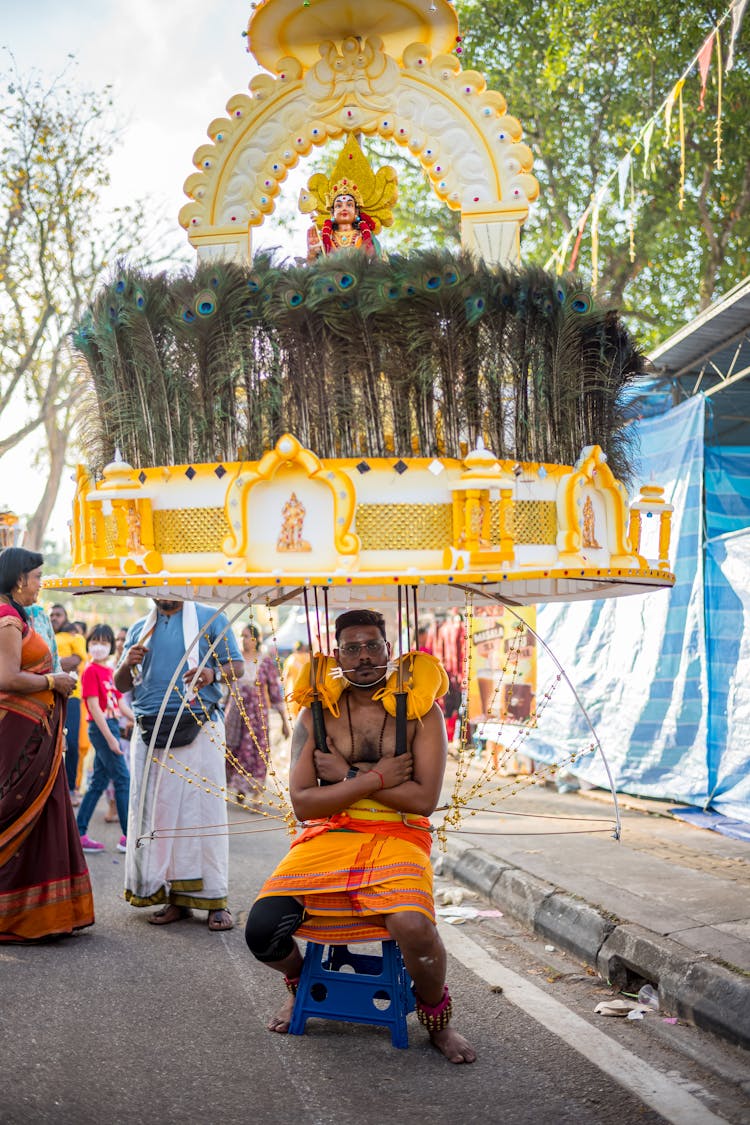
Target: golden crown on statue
(374, 192)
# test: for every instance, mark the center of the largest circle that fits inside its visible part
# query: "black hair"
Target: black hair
(360, 617)
(102, 633)
(14, 562)
(67, 625)
(254, 630)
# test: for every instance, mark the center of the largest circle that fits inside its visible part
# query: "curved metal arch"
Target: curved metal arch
(240, 597)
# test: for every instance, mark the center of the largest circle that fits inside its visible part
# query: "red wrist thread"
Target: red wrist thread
(382, 779)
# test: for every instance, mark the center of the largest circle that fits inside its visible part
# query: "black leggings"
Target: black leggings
(270, 925)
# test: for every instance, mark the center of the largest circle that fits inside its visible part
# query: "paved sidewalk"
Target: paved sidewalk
(668, 903)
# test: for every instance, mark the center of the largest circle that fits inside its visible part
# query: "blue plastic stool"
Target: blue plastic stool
(327, 992)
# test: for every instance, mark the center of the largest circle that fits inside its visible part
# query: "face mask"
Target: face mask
(99, 652)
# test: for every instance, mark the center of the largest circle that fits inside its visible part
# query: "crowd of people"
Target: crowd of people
(363, 790)
(77, 700)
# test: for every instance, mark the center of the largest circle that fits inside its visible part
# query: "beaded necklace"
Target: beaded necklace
(345, 238)
(351, 728)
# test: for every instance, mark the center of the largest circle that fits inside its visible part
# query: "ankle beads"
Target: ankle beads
(437, 1017)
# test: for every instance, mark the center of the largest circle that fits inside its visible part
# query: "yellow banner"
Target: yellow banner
(502, 688)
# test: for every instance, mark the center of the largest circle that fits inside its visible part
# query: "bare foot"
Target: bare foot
(280, 1022)
(455, 1048)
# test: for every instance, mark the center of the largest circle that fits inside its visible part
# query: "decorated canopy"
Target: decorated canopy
(362, 421)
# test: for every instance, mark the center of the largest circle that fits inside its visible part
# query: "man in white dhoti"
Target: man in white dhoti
(185, 864)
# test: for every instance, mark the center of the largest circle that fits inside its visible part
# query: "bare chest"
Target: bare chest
(365, 735)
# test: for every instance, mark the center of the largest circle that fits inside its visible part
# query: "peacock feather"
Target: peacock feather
(417, 354)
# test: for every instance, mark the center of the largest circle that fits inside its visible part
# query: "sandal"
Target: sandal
(220, 920)
(170, 913)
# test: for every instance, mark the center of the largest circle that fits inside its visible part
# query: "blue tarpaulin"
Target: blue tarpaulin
(665, 677)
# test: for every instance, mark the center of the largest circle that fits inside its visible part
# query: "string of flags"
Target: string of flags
(624, 172)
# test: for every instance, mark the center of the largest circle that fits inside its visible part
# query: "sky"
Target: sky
(173, 65)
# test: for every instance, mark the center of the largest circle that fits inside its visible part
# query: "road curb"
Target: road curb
(691, 986)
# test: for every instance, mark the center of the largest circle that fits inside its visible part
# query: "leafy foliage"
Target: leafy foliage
(584, 79)
(417, 355)
(55, 144)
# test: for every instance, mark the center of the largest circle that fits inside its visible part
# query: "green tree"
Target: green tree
(584, 80)
(55, 241)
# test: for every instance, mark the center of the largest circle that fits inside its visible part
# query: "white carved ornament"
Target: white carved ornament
(456, 127)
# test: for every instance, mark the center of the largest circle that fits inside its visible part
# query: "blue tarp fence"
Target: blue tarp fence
(665, 677)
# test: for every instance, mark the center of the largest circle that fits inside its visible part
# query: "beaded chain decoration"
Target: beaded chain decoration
(173, 764)
(435, 1017)
(280, 797)
(481, 783)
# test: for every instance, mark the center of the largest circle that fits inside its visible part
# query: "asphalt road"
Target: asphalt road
(129, 1022)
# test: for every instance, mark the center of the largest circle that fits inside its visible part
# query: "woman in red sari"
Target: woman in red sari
(44, 883)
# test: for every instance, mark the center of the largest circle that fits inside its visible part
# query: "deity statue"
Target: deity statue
(351, 207)
(134, 530)
(589, 528)
(347, 227)
(293, 517)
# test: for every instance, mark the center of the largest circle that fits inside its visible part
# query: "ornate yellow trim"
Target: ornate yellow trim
(651, 501)
(189, 530)
(290, 27)
(527, 521)
(462, 526)
(404, 527)
(503, 578)
(289, 452)
(593, 471)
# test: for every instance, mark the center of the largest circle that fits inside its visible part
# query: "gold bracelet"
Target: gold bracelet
(50, 681)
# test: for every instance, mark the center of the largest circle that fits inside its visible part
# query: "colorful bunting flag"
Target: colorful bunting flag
(738, 11)
(648, 133)
(562, 253)
(631, 215)
(581, 227)
(623, 171)
(681, 202)
(677, 90)
(595, 238)
(704, 64)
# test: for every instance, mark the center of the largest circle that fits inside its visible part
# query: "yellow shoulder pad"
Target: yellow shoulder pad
(313, 677)
(425, 680)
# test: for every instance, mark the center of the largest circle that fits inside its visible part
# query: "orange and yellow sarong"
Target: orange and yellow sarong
(350, 869)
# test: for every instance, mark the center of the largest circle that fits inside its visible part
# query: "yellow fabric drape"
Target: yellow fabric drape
(681, 202)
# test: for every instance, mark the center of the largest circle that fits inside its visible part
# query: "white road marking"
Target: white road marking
(649, 1085)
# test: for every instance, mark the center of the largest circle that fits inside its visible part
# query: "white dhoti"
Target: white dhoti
(186, 860)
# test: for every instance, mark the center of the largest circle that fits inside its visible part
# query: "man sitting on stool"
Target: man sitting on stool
(360, 869)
